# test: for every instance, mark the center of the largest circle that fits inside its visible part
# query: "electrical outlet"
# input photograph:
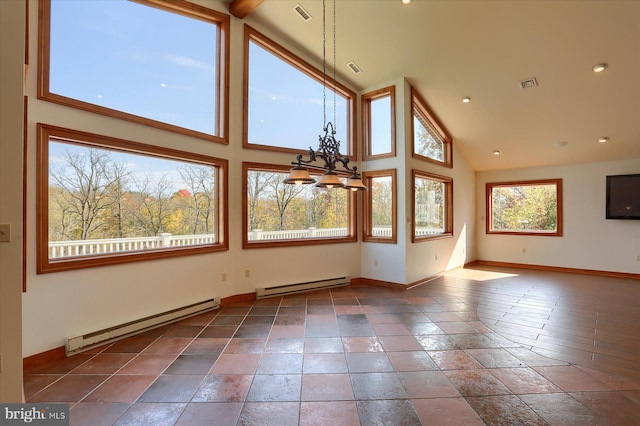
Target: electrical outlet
(638, 257)
(247, 273)
(224, 276)
(5, 233)
(436, 257)
(375, 262)
(524, 250)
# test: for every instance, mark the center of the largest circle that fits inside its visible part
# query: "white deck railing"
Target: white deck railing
(59, 249)
(258, 234)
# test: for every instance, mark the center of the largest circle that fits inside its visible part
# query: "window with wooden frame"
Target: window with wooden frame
(431, 141)
(157, 63)
(379, 206)
(284, 97)
(532, 207)
(103, 201)
(432, 206)
(378, 123)
(278, 214)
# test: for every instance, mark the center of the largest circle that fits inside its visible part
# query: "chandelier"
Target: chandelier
(328, 149)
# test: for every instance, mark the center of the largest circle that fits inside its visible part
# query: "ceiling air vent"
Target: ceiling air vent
(354, 67)
(302, 12)
(528, 83)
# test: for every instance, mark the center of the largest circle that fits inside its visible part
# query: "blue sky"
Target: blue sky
(135, 58)
(139, 165)
(142, 60)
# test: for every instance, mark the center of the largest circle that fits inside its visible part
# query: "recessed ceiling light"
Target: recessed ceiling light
(603, 139)
(406, 1)
(562, 144)
(600, 67)
(466, 100)
(496, 152)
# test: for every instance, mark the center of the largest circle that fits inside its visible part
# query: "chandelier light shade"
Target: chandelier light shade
(299, 176)
(329, 148)
(330, 180)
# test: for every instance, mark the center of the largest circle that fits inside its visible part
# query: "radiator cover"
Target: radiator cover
(284, 290)
(111, 334)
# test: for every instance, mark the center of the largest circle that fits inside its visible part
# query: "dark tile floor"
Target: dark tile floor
(477, 346)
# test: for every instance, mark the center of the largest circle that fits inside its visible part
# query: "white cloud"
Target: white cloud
(190, 62)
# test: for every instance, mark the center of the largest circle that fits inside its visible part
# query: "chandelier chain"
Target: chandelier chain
(324, 65)
(335, 120)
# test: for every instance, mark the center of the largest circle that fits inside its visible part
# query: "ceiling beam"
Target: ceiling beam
(242, 8)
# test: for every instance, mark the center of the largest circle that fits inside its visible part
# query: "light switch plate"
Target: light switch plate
(5, 233)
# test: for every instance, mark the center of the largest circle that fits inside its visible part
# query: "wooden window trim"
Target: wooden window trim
(420, 107)
(246, 244)
(46, 132)
(182, 7)
(251, 34)
(366, 100)
(367, 210)
(559, 213)
(448, 213)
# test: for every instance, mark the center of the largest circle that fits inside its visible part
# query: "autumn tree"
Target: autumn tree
(284, 195)
(151, 204)
(201, 183)
(382, 202)
(257, 184)
(426, 144)
(525, 207)
(82, 183)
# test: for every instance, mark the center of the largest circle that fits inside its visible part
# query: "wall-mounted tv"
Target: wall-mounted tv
(623, 197)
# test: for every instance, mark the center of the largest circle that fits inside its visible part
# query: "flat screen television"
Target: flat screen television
(623, 197)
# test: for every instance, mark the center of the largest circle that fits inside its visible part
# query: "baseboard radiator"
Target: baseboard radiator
(111, 334)
(283, 290)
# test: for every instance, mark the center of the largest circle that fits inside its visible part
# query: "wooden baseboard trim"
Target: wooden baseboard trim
(377, 283)
(36, 360)
(396, 286)
(238, 298)
(557, 269)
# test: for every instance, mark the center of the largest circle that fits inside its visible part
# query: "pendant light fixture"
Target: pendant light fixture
(329, 148)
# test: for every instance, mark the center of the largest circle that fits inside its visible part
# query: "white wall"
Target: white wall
(589, 241)
(12, 21)
(407, 262)
(429, 258)
(64, 304)
(383, 261)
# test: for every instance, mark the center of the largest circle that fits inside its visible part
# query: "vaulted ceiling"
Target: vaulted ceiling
(483, 49)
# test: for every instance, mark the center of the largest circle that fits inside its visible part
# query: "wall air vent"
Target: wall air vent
(528, 83)
(354, 67)
(301, 11)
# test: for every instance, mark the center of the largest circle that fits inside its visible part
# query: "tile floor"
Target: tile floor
(478, 346)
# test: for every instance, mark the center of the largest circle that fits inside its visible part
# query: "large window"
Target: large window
(284, 98)
(158, 63)
(277, 214)
(378, 123)
(103, 201)
(432, 206)
(379, 206)
(527, 207)
(431, 141)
